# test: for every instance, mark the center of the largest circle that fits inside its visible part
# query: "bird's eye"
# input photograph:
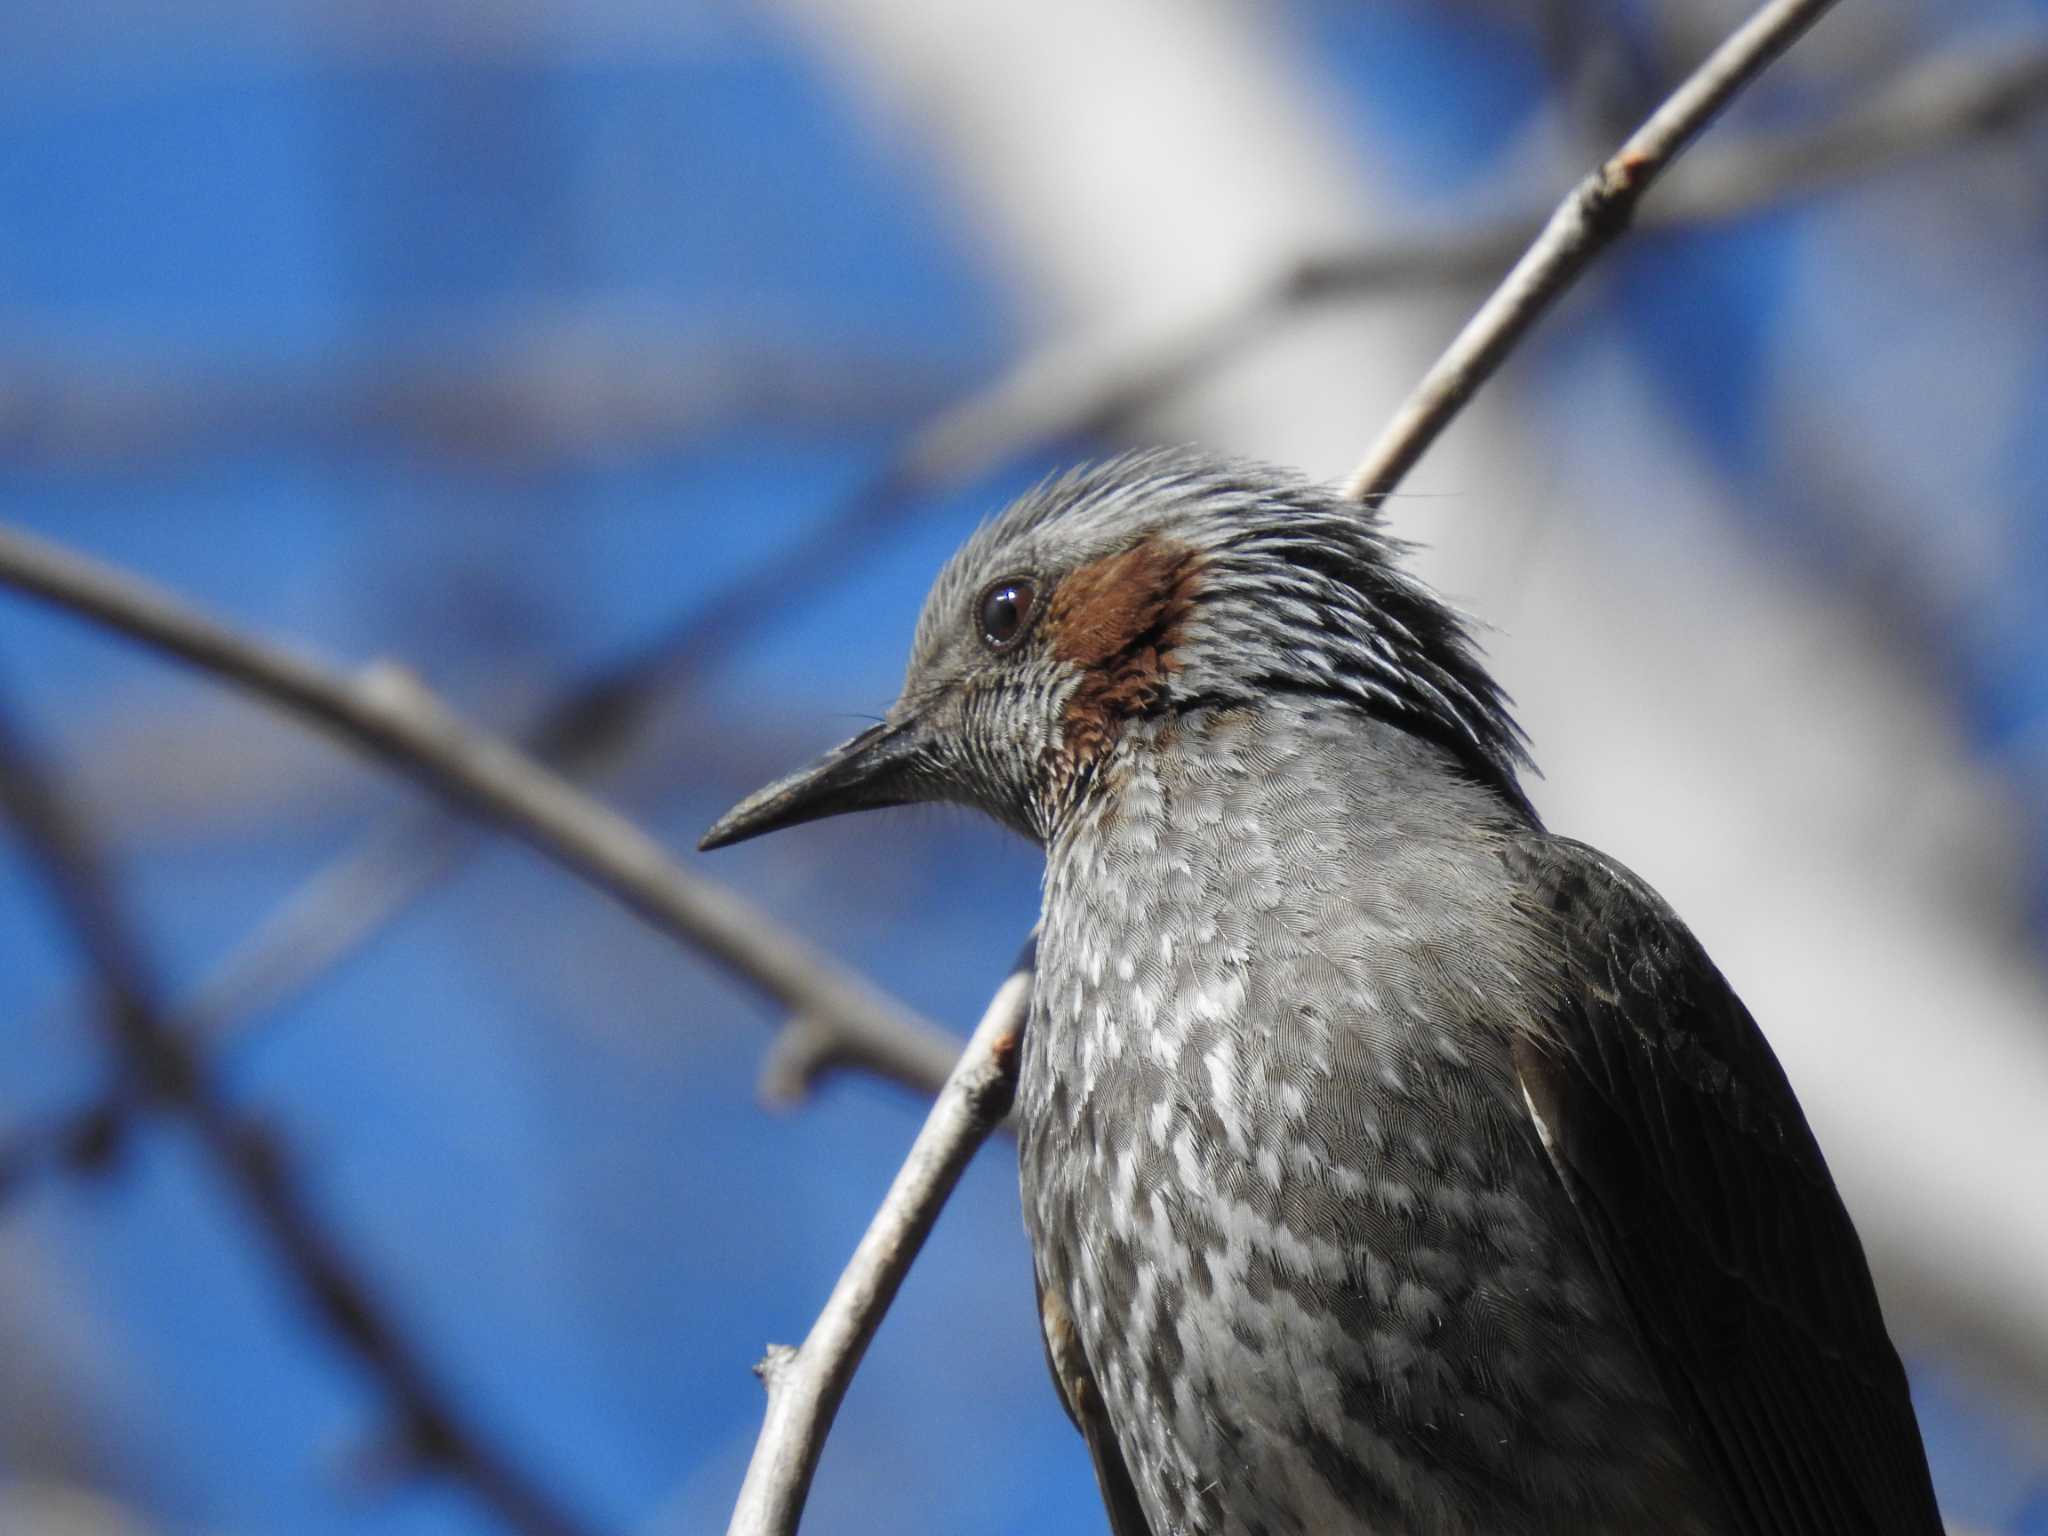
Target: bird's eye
(1005, 609)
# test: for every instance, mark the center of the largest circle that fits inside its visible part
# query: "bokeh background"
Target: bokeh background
(544, 345)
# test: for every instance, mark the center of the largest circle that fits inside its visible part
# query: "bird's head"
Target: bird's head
(1123, 593)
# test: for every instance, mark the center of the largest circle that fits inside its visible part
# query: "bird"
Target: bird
(1390, 1163)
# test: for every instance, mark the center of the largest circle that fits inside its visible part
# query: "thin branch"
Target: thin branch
(1592, 217)
(388, 713)
(804, 1052)
(252, 1161)
(805, 1385)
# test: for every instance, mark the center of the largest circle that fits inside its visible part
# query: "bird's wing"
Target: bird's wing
(1708, 1205)
(1076, 1383)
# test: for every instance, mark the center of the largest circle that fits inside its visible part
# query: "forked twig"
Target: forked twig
(1590, 219)
(805, 1384)
(387, 712)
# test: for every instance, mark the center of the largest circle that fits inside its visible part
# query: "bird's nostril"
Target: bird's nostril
(866, 736)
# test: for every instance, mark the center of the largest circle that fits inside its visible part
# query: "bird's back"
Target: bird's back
(1276, 1164)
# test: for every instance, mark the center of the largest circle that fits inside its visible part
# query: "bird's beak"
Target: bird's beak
(878, 767)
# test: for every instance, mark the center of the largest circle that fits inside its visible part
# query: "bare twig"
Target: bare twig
(388, 713)
(804, 1051)
(252, 1161)
(805, 1385)
(1590, 219)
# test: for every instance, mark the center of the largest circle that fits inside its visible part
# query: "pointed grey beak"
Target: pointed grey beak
(877, 768)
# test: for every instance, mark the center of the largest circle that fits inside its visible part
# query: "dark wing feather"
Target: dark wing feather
(1709, 1206)
(1076, 1383)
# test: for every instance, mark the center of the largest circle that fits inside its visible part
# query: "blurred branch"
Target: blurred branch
(805, 1385)
(162, 1066)
(1939, 103)
(38, 1506)
(87, 1139)
(389, 714)
(323, 922)
(804, 1052)
(1591, 218)
(543, 389)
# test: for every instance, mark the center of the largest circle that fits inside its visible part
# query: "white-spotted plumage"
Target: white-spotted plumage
(1256, 1218)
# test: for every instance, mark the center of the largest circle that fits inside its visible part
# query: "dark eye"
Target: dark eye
(1005, 609)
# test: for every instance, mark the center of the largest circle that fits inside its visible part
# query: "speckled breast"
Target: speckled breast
(1272, 1164)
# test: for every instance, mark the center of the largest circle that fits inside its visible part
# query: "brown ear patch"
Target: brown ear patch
(1118, 621)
